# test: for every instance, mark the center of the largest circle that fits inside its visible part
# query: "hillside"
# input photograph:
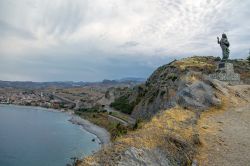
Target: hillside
(179, 106)
(163, 89)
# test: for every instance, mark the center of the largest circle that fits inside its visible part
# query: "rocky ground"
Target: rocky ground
(226, 133)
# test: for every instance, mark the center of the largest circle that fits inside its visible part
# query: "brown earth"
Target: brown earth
(225, 134)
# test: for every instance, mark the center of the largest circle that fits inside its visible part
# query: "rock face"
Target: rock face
(157, 93)
(181, 82)
(198, 96)
(138, 157)
(225, 72)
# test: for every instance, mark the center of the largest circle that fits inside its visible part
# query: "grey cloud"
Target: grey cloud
(97, 39)
(129, 44)
(7, 30)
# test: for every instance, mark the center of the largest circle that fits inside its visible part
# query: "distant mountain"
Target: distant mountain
(37, 85)
(133, 79)
(125, 80)
(67, 84)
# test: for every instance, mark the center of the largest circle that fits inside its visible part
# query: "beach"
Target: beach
(102, 134)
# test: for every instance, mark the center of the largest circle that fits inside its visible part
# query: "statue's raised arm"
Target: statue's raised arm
(224, 44)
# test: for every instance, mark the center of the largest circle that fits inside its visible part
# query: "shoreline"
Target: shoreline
(102, 134)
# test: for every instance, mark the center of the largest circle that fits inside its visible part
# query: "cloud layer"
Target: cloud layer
(89, 40)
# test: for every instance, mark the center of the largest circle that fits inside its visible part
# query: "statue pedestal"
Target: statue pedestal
(225, 72)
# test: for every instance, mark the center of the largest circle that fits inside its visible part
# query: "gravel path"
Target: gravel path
(229, 143)
(231, 146)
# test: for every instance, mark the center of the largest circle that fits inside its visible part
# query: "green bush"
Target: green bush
(137, 124)
(123, 105)
(217, 59)
(172, 77)
(118, 131)
(88, 110)
(248, 58)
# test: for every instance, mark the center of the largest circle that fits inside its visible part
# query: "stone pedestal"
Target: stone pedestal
(225, 72)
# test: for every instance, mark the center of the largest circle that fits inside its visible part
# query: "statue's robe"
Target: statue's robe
(224, 44)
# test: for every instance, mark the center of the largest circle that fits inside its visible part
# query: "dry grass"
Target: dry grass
(152, 134)
(194, 62)
(174, 123)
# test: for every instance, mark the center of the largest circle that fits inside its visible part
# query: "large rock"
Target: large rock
(198, 96)
(142, 157)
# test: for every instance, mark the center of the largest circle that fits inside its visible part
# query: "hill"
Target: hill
(164, 89)
(176, 111)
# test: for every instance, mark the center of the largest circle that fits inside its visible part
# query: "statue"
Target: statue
(224, 44)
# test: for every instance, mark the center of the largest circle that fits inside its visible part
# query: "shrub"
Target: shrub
(217, 59)
(123, 105)
(248, 58)
(172, 77)
(137, 124)
(119, 130)
(88, 110)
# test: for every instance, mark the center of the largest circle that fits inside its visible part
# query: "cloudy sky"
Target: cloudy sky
(89, 40)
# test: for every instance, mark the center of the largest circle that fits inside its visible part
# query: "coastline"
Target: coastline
(102, 134)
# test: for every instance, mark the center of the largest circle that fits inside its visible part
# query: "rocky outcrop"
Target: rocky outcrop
(137, 157)
(170, 84)
(180, 82)
(197, 96)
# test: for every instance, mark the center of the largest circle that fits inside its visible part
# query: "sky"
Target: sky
(92, 40)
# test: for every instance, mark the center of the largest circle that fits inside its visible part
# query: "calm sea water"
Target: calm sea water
(37, 137)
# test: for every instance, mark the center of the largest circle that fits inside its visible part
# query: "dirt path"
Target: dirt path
(226, 135)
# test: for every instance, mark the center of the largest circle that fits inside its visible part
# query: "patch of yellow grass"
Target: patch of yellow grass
(193, 62)
(172, 122)
(152, 134)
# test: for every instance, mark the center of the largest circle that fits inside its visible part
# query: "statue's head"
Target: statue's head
(224, 36)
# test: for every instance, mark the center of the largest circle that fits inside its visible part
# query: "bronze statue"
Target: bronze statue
(224, 44)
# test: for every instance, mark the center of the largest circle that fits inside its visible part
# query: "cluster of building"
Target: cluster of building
(34, 98)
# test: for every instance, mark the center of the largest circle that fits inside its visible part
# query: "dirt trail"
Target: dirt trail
(226, 134)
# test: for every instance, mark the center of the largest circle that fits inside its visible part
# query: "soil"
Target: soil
(225, 135)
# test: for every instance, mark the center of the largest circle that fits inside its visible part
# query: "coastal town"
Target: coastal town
(33, 98)
(57, 99)
(90, 102)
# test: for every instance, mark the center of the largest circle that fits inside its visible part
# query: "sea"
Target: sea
(33, 136)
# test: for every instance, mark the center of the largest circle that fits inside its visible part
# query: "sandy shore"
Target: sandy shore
(102, 134)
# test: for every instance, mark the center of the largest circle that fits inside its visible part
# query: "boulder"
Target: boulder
(197, 96)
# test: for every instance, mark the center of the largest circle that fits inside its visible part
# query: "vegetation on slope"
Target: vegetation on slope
(122, 104)
(171, 134)
(102, 119)
(161, 88)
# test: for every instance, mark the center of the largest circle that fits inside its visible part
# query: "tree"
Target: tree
(248, 58)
